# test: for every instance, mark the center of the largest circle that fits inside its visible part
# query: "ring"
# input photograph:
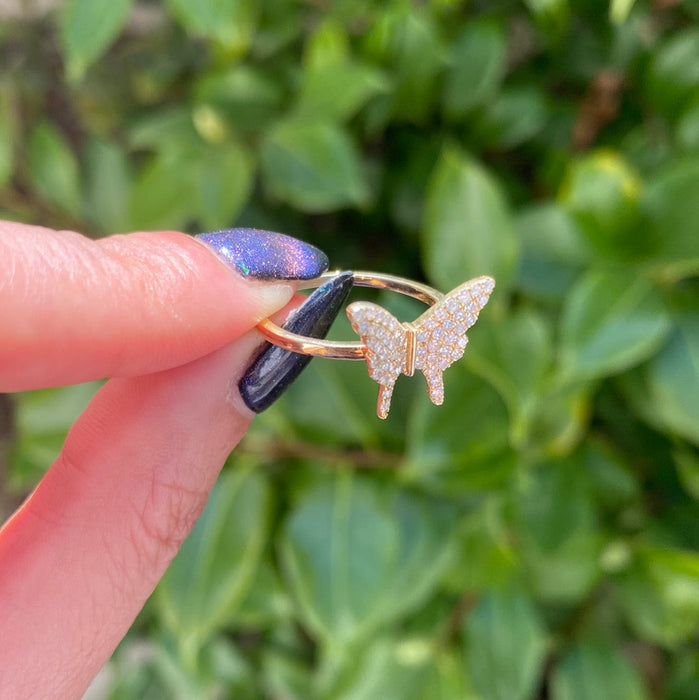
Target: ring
(431, 343)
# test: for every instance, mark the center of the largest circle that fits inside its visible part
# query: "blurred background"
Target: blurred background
(536, 536)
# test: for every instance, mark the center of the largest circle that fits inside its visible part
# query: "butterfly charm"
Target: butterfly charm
(431, 343)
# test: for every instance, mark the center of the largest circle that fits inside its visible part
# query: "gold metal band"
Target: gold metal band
(341, 350)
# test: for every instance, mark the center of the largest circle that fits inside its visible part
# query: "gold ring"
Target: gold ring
(431, 343)
(340, 350)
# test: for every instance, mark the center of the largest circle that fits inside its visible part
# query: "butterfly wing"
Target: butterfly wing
(386, 342)
(440, 332)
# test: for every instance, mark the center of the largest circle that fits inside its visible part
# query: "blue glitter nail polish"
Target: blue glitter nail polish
(265, 255)
(274, 369)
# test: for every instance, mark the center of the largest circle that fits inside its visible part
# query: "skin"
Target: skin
(162, 316)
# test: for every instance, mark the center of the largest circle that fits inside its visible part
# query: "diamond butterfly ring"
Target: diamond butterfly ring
(431, 343)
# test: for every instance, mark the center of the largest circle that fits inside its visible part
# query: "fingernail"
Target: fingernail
(265, 255)
(274, 369)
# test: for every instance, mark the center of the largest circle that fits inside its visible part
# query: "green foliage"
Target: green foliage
(228, 22)
(535, 536)
(87, 28)
(312, 165)
(611, 321)
(7, 136)
(594, 670)
(54, 168)
(504, 646)
(358, 558)
(467, 225)
(477, 67)
(201, 590)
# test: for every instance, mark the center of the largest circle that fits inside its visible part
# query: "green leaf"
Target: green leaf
(88, 27)
(556, 523)
(504, 646)
(358, 556)
(53, 168)
(561, 418)
(338, 91)
(477, 67)
(314, 166)
(592, 670)
(165, 195)
(385, 669)
(687, 131)
(672, 378)
(612, 479)
(683, 682)
(405, 41)
(210, 124)
(192, 181)
(611, 321)
(328, 45)
(551, 15)
(603, 192)
(107, 186)
(548, 230)
(515, 116)
(554, 251)
(231, 23)
(687, 463)
(513, 354)
(660, 595)
(249, 98)
(8, 132)
(673, 74)
(225, 174)
(215, 566)
(619, 10)
(267, 602)
(461, 447)
(467, 230)
(670, 204)
(163, 130)
(485, 556)
(286, 670)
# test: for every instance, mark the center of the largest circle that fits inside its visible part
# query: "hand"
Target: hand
(160, 312)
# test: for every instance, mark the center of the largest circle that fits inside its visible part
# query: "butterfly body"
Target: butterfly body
(431, 343)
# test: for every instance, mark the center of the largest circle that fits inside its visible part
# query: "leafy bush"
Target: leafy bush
(534, 537)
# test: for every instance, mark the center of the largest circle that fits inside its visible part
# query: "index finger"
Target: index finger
(73, 309)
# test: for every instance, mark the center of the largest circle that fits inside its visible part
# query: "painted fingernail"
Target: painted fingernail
(265, 255)
(274, 369)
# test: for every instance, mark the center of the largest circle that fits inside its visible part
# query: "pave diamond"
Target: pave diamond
(439, 338)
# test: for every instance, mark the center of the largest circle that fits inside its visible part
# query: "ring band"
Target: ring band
(345, 350)
(431, 343)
